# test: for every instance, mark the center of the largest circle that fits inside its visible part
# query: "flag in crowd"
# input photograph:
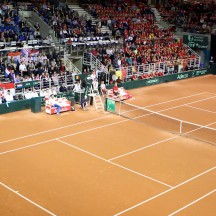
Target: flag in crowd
(26, 51)
(7, 72)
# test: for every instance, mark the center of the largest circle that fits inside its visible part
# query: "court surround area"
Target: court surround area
(98, 163)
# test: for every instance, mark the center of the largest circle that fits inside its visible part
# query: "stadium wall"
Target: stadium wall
(26, 104)
(163, 79)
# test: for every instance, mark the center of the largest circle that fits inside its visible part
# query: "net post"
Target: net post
(180, 128)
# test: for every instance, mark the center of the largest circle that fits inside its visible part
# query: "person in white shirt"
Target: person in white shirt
(34, 93)
(28, 94)
(95, 85)
(22, 68)
(93, 75)
(9, 98)
(77, 87)
(54, 103)
(42, 93)
(52, 91)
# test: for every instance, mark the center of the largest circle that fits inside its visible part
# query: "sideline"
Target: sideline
(27, 199)
(67, 126)
(160, 194)
(202, 197)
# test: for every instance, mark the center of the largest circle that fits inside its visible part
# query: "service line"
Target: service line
(160, 194)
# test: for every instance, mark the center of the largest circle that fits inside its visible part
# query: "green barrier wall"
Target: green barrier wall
(15, 106)
(26, 104)
(157, 80)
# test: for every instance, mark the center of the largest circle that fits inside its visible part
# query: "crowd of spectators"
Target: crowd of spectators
(49, 69)
(143, 41)
(68, 23)
(12, 27)
(192, 16)
(133, 24)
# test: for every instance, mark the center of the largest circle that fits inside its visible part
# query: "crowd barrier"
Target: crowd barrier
(162, 79)
(73, 97)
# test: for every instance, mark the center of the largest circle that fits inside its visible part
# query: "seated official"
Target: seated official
(54, 103)
(9, 96)
(34, 93)
(28, 94)
(115, 89)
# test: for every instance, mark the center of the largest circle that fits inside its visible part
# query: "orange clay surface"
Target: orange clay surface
(95, 163)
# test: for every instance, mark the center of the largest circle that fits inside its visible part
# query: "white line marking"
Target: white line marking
(199, 128)
(183, 104)
(201, 100)
(145, 147)
(27, 199)
(55, 129)
(192, 202)
(177, 99)
(201, 109)
(125, 168)
(59, 128)
(106, 125)
(73, 134)
(128, 153)
(160, 194)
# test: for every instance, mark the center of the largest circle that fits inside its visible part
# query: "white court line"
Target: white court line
(170, 108)
(177, 99)
(27, 199)
(55, 129)
(125, 168)
(193, 202)
(184, 104)
(201, 109)
(145, 147)
(204, 126)
(59, 128)
(13, 150)
(73, 134)
(128, 153)
(160, 194)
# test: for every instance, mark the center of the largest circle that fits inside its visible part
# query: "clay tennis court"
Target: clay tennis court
(91, 163)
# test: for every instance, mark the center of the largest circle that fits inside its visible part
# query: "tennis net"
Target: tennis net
(151, 118)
